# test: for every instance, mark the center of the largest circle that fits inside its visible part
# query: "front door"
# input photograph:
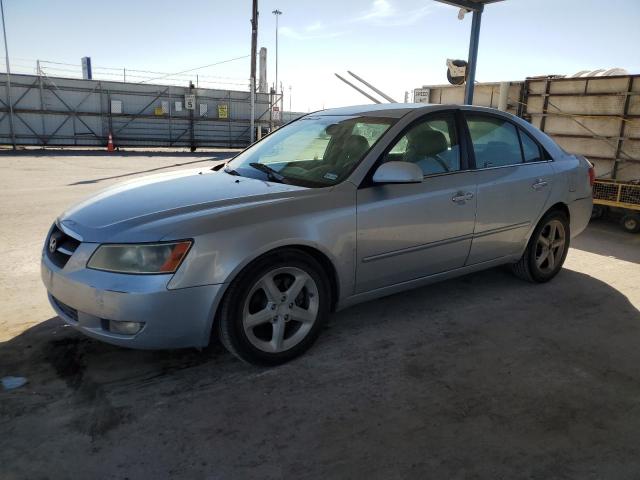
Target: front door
(409, 231)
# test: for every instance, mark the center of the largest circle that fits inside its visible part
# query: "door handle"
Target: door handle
(461, 197)
(539, 183)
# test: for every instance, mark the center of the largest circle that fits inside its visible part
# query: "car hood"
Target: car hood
(155, 200)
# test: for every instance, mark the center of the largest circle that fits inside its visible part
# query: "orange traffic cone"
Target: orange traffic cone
(110, 147)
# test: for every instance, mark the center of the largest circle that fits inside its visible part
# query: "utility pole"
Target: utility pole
(289, 98)
(6, 51)
(277, 13)
(254, 49)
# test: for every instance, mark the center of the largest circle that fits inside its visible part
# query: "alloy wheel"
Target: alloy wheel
(280, 309)
(550, 246)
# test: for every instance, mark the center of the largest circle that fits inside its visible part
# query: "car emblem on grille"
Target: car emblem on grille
(53, 244)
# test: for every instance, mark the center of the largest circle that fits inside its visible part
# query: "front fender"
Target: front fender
(325, 222)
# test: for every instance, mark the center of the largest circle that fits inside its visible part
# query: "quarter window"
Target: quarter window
(530, 149)
(495, 141)
(431, 144)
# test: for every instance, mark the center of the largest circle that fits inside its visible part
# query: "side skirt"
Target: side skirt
(422, 281)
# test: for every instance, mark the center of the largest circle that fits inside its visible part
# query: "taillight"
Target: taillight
(592, 174)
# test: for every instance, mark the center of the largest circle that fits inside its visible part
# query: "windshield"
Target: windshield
(316, 151)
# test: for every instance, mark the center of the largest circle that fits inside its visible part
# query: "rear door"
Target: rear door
(408, 231)
(514, 179)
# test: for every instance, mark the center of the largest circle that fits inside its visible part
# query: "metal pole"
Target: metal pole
(370, 97)
(271, 93)
(252, 81)
(281, 104)
(40, 86)
(473, 56)
(252, 93)
(277, 50)
(254, 38)
(379, 92)
(277, 13)
(170, 118)
(124, 75)
(192, 141)
(6, 51)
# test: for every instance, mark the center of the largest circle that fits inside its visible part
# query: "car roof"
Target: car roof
(394, 110)
(397, 110)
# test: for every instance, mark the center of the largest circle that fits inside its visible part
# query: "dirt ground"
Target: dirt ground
(479, 377)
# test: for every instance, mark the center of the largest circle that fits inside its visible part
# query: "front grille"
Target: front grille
(60, 247)
(66, 309)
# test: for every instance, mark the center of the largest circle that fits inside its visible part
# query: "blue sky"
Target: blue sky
(396, 44)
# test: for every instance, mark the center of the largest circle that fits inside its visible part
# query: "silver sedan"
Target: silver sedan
(338, 207)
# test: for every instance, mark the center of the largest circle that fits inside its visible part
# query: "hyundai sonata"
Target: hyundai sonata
(335, 208)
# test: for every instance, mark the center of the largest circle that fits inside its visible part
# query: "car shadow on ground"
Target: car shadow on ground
(484, 371)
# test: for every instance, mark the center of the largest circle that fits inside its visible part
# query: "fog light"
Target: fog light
(125, 328)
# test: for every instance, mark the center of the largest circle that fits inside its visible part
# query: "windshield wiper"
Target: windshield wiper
(272, 174)
(231, 171)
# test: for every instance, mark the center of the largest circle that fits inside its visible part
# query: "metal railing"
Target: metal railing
(617, 194)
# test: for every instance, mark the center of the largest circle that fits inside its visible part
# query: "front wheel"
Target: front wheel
(274, 310)
(546, 250)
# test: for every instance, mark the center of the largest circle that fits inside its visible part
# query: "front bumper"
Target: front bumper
(86, 299)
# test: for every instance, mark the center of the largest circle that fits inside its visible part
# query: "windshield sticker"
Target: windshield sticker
(330, 176)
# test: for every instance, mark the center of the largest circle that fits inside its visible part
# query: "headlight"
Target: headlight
(145, 258)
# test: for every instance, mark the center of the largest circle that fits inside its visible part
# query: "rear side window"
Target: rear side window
(495, 141)
(530, 148)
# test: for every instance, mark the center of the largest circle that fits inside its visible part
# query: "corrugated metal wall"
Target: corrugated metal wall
(598, 117)
(51, 111)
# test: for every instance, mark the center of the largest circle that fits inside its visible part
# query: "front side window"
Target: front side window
(431, 144)
(495, 141)
(316, 151)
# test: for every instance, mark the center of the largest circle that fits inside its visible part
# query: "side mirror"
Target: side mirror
(398, 172)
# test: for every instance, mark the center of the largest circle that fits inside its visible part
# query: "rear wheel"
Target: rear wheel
(631, 222)
(274, 310)
(547, 249)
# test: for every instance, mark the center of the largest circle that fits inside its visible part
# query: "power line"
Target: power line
(200, 68)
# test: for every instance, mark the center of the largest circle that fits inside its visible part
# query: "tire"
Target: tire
(262, 329)
(534, 266)
(597, 212)
(630, 222)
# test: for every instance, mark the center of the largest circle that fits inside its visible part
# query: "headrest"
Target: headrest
(355, 146)
(427, 142)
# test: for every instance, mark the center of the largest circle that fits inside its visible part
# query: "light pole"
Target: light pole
(277, 13)
(6, 51)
